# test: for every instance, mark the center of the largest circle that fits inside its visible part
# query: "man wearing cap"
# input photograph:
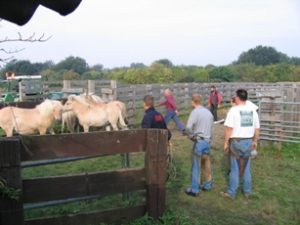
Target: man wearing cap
(241, 136)
(199, 128)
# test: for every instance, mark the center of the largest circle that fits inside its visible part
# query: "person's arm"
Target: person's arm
(161, 103)
(228, 133)
(209, 101)
(219, 98)
(255, 138)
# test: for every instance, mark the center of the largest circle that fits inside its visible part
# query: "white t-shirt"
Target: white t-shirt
(243, 119)
(249, 103)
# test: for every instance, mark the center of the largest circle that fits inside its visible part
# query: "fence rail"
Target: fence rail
(280, 121)
(46, 191)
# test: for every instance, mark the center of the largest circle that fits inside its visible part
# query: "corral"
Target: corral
(15, 154)
(279, 111)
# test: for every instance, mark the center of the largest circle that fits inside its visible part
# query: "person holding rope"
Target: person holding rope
(199, 129)
(241, 136)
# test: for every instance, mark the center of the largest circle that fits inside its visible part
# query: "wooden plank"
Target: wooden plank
(156, 171)
(82, 144)
(62, 187)
(11, 210)
(117, 216)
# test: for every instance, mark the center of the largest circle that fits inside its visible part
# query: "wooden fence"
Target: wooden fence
(15, 152)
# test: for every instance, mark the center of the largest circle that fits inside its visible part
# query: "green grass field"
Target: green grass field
(275, 200)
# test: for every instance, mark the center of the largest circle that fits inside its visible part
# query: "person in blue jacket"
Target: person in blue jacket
(152, 118)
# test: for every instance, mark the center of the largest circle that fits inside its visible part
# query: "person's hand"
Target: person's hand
(254, 145)
(176, 111)
(219, 106)
(226, 147)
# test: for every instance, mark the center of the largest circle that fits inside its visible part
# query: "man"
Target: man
(171, 108)
(241, 136)
(214, 101)
(199, 129)
(152, 118)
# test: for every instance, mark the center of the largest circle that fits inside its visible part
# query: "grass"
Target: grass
(275, 199)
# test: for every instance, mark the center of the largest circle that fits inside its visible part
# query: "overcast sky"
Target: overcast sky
(190, 32)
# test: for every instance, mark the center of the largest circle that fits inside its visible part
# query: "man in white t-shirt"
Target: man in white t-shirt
(241, 136)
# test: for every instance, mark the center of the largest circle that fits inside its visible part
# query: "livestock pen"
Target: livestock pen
(27, 151)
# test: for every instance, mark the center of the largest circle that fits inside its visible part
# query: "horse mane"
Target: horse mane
(47, 106)
(78, 99)
(92, 99)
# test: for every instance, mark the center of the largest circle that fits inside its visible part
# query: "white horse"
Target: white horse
(94, 114)
(29, 121)
(70, 119)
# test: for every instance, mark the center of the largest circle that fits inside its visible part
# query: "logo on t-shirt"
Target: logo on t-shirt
(246, 118)
(158, 118)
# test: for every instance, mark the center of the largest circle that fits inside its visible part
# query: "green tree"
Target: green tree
(221, 73)
(262, 55)
(71, 75)
(166, 62)
(76, 64)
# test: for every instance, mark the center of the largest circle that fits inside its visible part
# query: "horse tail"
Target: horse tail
(69, 118)
(121, 120)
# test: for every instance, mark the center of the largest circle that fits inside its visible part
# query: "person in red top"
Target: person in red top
(214, 101)
(171, 108)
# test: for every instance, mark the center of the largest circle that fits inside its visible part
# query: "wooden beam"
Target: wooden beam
(156, 154)
(11, 210)
(44, 147)
(63, 187)
(117, 216)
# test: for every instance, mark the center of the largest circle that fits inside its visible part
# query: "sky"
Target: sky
(116, 33)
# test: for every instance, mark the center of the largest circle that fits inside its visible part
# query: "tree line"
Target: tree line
(259, 64)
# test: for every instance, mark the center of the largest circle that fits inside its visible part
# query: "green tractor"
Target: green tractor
(9, 91)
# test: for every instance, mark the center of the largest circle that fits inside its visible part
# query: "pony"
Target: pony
(29, 121)
(70, 119)
(91, 113)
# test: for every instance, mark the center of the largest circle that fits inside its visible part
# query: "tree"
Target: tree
(262, 55)
(71, 75)
(167, 63)
(26, 67)
(137, 65)
(221, 73)
(8, 55)
(77, 64)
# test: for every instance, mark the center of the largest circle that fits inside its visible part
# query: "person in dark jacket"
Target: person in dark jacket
(152, 118)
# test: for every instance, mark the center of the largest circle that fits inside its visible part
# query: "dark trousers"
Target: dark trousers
(214, 111)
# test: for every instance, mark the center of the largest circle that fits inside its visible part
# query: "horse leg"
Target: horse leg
(51, 130)
(42, 130)
(85, 128)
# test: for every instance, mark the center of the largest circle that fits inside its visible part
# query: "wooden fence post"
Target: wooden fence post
(155, 164)
(91, 87)
(11, 209)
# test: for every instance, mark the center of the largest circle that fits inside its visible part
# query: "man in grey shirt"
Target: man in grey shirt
(199, 128)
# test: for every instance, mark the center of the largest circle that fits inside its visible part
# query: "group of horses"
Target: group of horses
(86, 110)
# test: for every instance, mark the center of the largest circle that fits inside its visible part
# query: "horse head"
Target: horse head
(57, 109)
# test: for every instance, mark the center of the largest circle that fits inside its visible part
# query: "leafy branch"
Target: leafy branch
(9, 192)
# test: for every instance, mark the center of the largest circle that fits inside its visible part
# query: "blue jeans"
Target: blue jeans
(172, 115)
(241, 150)
(201, 147)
